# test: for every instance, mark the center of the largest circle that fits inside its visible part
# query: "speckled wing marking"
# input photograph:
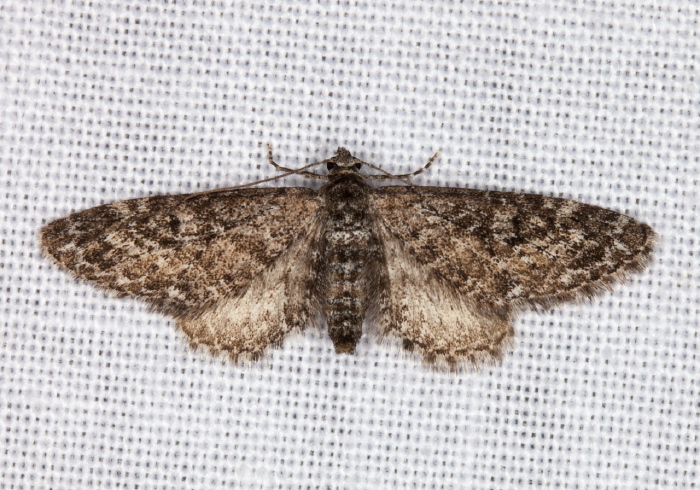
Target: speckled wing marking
(283, 298)
(426, 314)
(188, 255)
(492, 253)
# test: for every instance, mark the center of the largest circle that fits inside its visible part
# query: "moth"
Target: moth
(442, 271)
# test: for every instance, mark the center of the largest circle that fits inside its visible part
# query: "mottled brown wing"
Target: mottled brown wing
(502, 250)
(182, 254)
(459, 261)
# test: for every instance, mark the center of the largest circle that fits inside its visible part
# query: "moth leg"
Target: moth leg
(310, 175)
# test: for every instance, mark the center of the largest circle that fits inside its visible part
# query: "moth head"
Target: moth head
(343, 161)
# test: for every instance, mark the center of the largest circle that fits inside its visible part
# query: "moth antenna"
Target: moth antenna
(310, 175)
(401, 177)
(288, 172)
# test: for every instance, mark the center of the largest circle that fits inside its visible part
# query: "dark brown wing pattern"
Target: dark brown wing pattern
(460, 261)
(181, 253)
(504, 250)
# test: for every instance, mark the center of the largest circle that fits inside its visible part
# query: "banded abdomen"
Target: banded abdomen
(350, 254)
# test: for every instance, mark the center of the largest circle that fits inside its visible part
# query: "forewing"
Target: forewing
(185, 253)
(500, 250)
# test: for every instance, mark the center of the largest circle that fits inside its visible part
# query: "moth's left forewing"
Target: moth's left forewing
(180, 253)
(234, 267)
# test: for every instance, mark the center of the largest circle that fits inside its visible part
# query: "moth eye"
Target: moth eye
(357, 166)
(331, 165)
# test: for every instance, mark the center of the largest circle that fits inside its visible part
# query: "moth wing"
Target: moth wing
(428, 316)
(505, 249)
(282, 298)
(492, 252)
(193, 255)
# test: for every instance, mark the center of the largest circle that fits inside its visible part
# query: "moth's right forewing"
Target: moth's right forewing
(460, 262)
(506, 250)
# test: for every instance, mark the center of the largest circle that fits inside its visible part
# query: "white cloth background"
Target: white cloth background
(105, 101)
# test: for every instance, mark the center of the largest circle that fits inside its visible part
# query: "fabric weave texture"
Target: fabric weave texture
(591, 101)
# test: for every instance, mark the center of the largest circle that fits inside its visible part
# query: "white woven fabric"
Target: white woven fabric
(109, 100)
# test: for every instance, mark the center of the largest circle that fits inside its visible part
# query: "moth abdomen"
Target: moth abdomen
(350, 249)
